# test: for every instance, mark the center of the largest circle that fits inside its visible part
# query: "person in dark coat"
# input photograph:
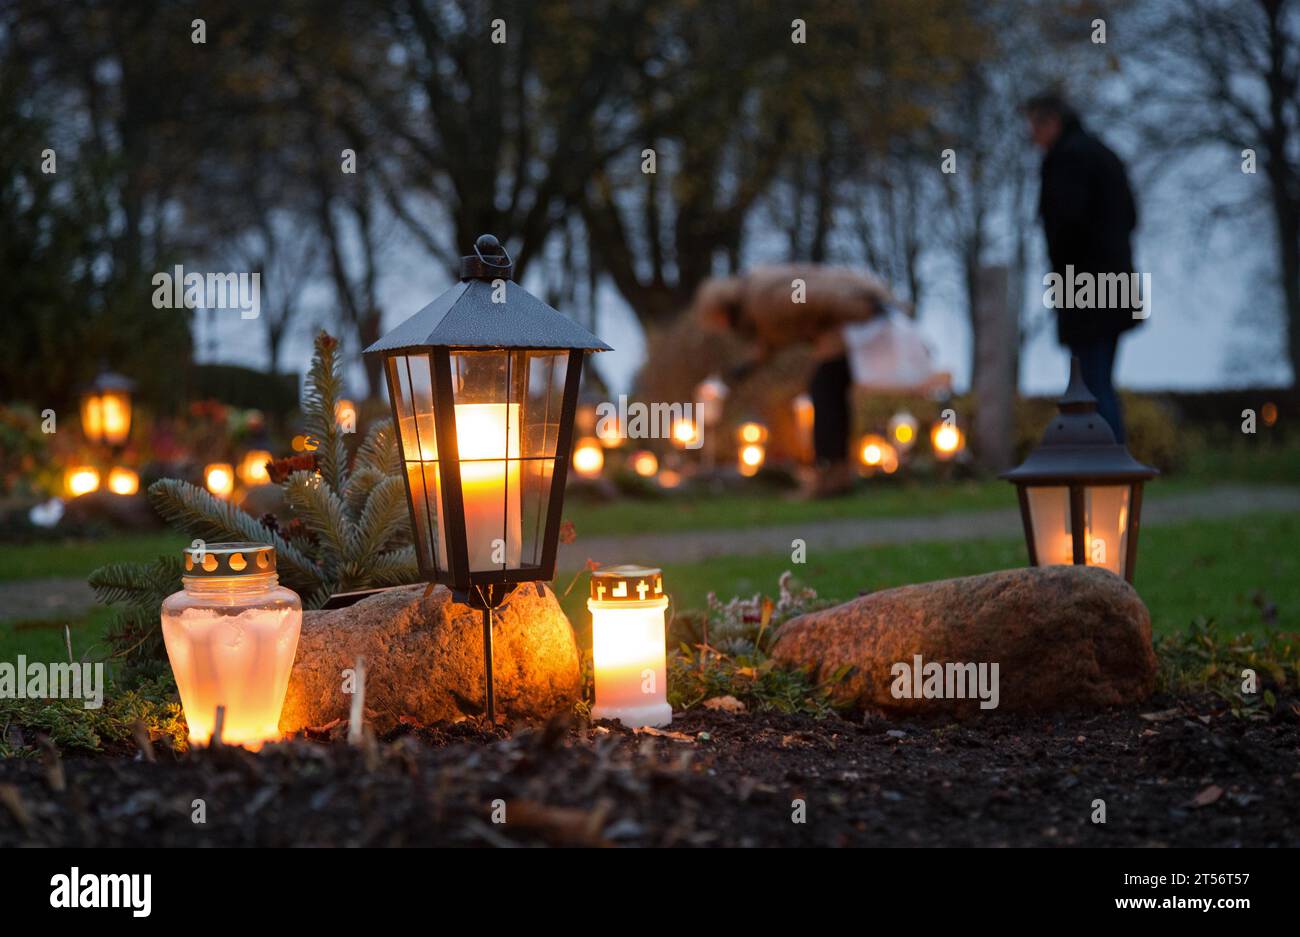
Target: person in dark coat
(1088, 213)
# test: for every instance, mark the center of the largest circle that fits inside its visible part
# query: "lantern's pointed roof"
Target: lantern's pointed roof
(487, 309)
(1078, 444)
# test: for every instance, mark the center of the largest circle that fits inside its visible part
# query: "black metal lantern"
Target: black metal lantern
(484, 387)
(106, 410)
(1080, 490)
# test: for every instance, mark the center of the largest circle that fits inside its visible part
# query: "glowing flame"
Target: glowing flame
(123, 481)
(588, 458)
(220, 479)
(645, 463)
(947, 440)
(81, 480)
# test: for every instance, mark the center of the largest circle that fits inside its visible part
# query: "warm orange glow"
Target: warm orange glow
(220, 479)
(239, 661)
(487, 435)
(106, 417)
(669, 479)
(345, 415)
(947, 440)
(871, 451)
(81, 480)
(607, 431)
(686, 434)
(588, 458)
(1268, 413)
(752, 433)
(645, 463)
(902, 430)
(252, 467)
(123, 481)
(751, 460)
(803, 423)
(629, 658)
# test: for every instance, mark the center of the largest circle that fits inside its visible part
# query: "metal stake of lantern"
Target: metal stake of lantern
(484, 388)
(1080, 490)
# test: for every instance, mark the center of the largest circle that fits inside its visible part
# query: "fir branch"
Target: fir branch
(384, 521)
(323, 389)
(202, 515)
(324, 514)
(138, 584)
(379, 451)
(395, 568)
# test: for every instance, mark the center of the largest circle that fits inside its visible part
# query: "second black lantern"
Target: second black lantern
(1080, 490)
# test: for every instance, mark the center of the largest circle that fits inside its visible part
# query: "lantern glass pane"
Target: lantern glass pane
(411, 384)
(1049, 512)
(1106, 518)
(487, 389)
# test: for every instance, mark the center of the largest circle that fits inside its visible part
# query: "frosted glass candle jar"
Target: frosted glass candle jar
(231, 636)
(627, 628)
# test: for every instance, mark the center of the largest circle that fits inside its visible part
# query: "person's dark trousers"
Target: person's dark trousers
(1097, 361)
(829, 390)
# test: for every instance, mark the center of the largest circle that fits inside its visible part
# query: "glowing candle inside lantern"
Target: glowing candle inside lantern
(1105, 531)
(627, 606)
(231, 635)
(487, 435)
(106, 417)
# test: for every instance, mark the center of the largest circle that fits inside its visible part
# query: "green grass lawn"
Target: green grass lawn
(80, 558)
(1198, 568)
(905, 497)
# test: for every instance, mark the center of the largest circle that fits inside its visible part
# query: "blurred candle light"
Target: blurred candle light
(123, 481)
(252, 467)
(947, 440)
(902, 430)
(345, 415)
(751, 459)
(628, 632)
(588, 457)
(81, 480)
(670, 479)
(645, 463)
(752, 433)
(219, 478)
(686, 433)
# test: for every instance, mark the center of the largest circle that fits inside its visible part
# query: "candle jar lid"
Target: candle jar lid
(214, 560)
(627, 584)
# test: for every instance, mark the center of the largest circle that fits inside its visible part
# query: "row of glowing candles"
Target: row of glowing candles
(874, 452)
(218, 477)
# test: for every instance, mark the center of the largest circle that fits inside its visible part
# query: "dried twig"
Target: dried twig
(357, 714)
(218, 726)
(142, 740)
(54, 775)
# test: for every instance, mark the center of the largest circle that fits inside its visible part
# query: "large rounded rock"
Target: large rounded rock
(1063, 637)
(424, 658)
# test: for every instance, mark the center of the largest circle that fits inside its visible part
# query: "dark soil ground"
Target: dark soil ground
(1175, 772)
